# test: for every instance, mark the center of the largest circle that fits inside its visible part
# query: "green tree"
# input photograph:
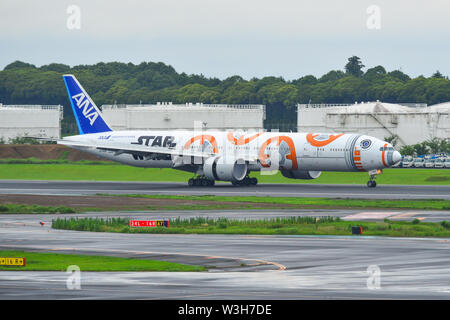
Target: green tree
(374, 74)
(437, 75)
(407, 150)
(421, 148)
(354, 66)
(332, 76)
(397, 74)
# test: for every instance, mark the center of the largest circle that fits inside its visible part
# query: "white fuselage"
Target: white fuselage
(265, 150)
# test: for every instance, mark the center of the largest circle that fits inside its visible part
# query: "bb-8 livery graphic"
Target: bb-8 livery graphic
(299, 155)
(226, 155)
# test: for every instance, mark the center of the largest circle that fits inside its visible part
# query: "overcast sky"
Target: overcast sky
(251, 38)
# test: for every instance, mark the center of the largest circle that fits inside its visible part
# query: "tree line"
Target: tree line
(150, 82)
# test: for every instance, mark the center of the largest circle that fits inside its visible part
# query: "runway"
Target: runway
(293, 267)
(245, 267)
(225, 189)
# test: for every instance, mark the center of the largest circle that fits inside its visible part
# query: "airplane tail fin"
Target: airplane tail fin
(88, 116)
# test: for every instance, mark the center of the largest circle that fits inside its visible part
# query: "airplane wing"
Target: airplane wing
(121, 148)
(143, 150)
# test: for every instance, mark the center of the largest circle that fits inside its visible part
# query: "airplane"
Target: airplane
(225, 155)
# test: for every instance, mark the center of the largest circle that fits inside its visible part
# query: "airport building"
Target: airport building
(411, 123)
(30, 120)
(184, 116)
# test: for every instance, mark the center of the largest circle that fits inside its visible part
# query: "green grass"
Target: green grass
(212, 202)
(61, 160)
(274, 226)
(427, 204)
(59, 262)
(23, 208)
(117, 172)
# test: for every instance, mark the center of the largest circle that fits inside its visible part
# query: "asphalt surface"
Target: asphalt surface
(225, 189)
(248, 267)
(245, 267)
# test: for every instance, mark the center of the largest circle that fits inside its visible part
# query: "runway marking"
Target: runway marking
(369, 215)
(404, 215)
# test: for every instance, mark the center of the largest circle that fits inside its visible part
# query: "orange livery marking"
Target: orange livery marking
(382, 155)
(357, 159)
(202, 139)
(311, 138)
(292, 156)
(241, 141)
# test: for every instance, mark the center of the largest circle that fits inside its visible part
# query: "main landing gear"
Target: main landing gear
(200, 181)
(373, 174)
(247, 181)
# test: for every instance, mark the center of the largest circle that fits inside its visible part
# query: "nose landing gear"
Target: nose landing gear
(373, 174)
(371, 183)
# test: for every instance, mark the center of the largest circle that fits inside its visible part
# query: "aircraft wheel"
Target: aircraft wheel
(371, 184)
(191, 182)
(253, 181)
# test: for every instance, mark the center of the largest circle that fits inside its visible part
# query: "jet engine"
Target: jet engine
(218, 168)
(301, 174)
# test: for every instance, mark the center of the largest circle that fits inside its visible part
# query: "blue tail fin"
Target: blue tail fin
(88, 116)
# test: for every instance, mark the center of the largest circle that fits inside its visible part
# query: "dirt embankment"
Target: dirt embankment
(118, 203)
(43, 152)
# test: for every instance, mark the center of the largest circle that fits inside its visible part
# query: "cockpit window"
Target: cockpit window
(387, 149)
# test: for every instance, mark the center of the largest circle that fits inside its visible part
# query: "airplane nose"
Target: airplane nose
(396, 157)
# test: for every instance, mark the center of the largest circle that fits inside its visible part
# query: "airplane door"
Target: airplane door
(308, 157)
(309, 151)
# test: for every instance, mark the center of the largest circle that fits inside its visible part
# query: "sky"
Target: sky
(216, 38)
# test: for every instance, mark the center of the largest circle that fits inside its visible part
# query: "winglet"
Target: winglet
(88, 116)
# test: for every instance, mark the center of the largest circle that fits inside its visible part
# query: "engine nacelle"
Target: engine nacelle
(301, 174)
(215, 168)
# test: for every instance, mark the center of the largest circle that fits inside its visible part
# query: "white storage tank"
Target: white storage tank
(184, 116)
(411, 123)
(30, 120)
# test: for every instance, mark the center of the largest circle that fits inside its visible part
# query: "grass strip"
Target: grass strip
(96, 171)
(418, 204)
(61, 161)
(274, 226)
(24, 208)
(36, 261)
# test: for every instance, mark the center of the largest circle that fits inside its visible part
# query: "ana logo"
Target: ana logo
(366, 144)
(88, 110)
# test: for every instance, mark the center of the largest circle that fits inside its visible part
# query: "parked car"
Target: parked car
(447, 163)
(439, 163)
(407, 162)
(429, 163)
(419, 162)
